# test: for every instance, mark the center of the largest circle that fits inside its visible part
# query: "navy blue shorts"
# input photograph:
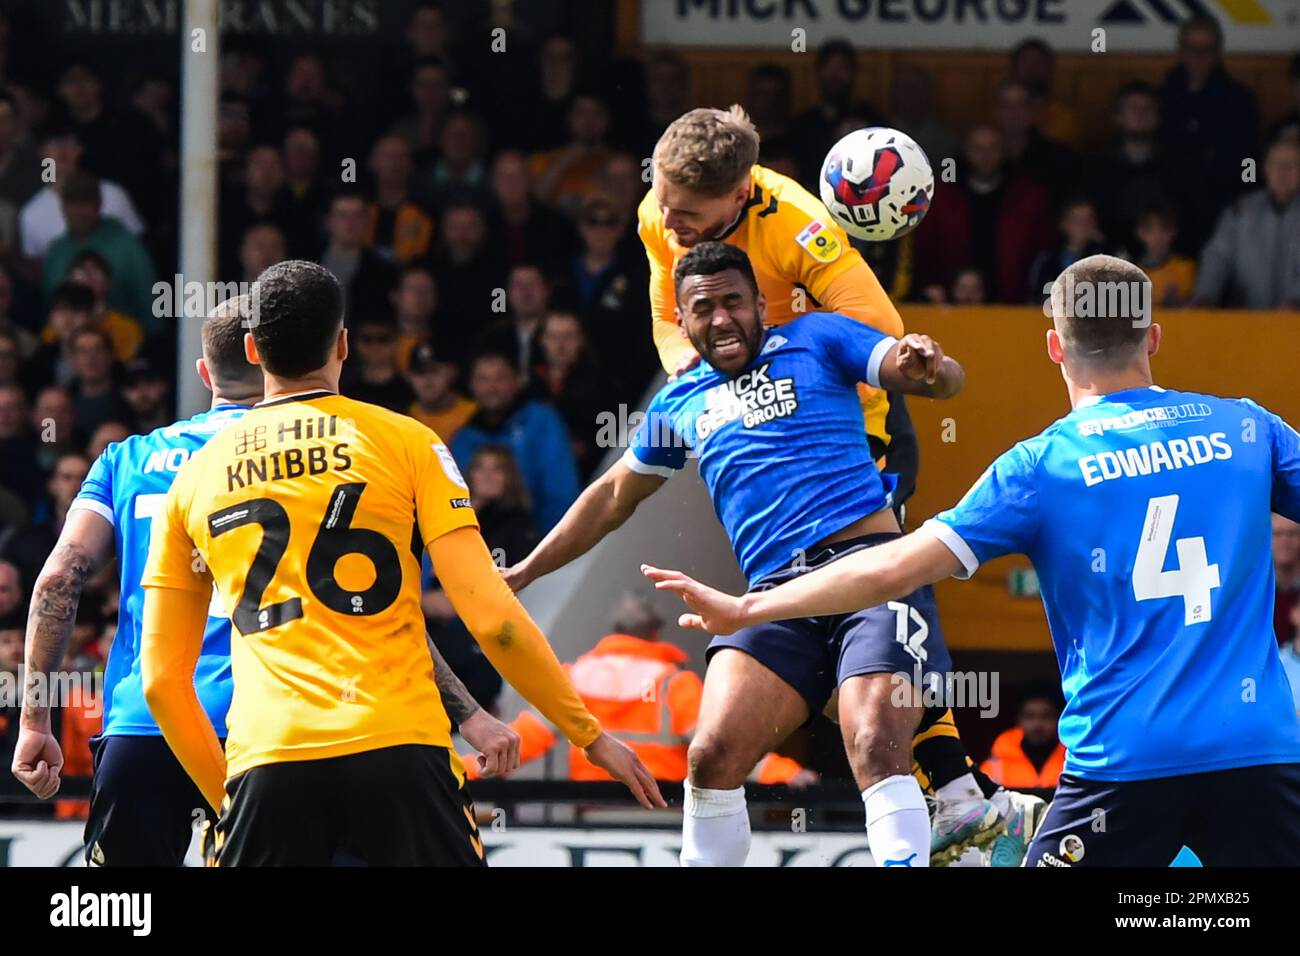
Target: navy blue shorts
(814, 655)
(144, 808)
(1246, 816)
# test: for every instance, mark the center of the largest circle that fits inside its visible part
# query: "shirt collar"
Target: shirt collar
(1111, 396)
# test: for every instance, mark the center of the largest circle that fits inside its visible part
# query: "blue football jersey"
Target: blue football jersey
(781, 446)
(1147, 517)
(127, 485)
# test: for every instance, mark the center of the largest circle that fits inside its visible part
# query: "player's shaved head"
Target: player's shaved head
(710, 258)
(1101, 309)
(299, 314)
(233, 376)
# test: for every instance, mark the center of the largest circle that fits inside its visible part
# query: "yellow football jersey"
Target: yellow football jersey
(309, 515)
(798, 253)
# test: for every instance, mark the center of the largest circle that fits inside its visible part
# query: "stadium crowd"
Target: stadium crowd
(496, 286)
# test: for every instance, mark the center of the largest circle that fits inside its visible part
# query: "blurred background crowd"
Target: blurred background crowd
(481, 214)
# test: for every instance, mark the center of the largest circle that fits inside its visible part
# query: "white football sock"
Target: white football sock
(958, 797)
(898, 826)
(715, 827)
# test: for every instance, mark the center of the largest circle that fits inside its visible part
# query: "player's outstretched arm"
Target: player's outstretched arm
(860, 580)
(84, 543)
(917, 366)
(604, 506)
(516, 647)
(497, 743)
(171, 641)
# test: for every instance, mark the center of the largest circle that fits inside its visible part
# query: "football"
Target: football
(877, 183)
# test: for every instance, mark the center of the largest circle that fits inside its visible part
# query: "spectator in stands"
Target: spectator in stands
(430, 93)
(19, 471)
(415, 302)
(768, 100)
(1080, 237)
(609, 278)
(526, 230)
(1288, 127)
(41, 221)
(1253, 259)
(470, 279)
(398, 227)
(621, 183)
(28, 343)
(11, 590)
(992, 219)
(366, 276)
(10, 358)
(534, 432)
(968, 288)
(1033, 64)
(93, 271)
(564, 177)
(132, 268)
(575, 383)
(528, 297)
(1173, 277)
(94, 389)
(437, 403)
(1028, 151)
(911, 103)
(105, 435)
(668, 95)
(11, 647)
(1210, 121)
(1286, 571)
(460, 167)
(262, 246)
(262, 197)
(371, 373)
(29, 548)
(20, 166)
(72, 308)
(501, 502)
(115, 149)
(814, 131)
(1029, 756)
(1136, 170)
(308, 197)
(147, 392)
(544, 108)
(310, 100)
(234, 136)
(150, 120)
(54, 421)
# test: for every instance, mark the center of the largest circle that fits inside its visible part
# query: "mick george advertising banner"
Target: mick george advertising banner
(1260, 26)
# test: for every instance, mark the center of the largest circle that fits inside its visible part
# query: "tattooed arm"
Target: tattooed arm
(84, 544)
(456, 698)
(497, 744)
